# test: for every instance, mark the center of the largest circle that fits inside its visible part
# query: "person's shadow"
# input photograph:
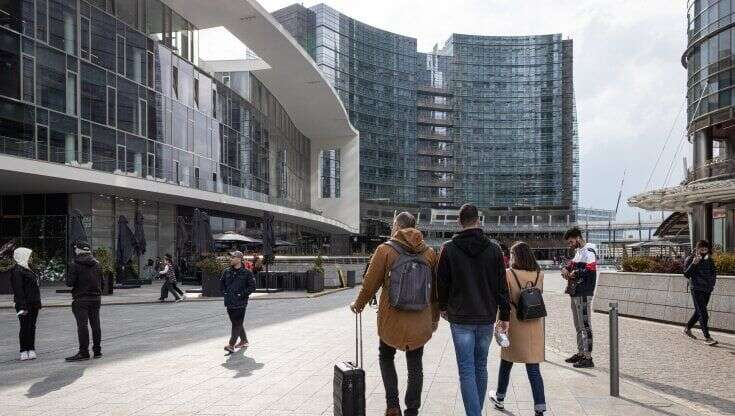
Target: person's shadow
(56, 381)
(242, 365)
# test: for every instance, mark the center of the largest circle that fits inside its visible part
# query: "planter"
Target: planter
(351, 277)
(6, 287)
(210, 286)
(314, 281)
(109, 282)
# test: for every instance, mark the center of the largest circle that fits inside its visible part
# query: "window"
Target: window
(196, 92)
(111, 106)
(120, 54)
(127, 105)
(85, 38)
(63, 25)
(175, 81)
(9, 64)
(103, 149)
(94, 103)
(11, 14)
(16, 126)
(102, 40)
(86, 150)
(62, 138)
(28, 79)
(41, 20)
(51, 82)
(135, 54)
(329, 173)
(142, 117)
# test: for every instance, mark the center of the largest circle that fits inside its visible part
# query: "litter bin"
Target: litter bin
(351, 278)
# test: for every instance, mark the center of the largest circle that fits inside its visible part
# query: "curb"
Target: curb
(202, 299)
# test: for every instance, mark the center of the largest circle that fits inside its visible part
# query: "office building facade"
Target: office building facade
(489, 120)
(106, 111)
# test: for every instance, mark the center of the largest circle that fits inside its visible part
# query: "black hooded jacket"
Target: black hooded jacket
(471, 280)
(85, 278)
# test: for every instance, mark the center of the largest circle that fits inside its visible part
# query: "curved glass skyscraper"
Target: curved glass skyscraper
(484, 119)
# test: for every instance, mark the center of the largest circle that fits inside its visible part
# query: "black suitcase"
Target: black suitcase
(349, 380)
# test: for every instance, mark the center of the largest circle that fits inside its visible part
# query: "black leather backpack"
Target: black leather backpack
(531, 302)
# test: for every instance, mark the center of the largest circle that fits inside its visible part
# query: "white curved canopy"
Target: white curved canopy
(682, 198)
(293, 78)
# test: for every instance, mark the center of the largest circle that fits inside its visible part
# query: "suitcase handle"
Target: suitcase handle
(358, 340)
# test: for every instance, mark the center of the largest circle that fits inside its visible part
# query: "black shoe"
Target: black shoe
(78, 357)
(499, 404)
(688, 332)
(584, 363)
(574, 358)
(98, 355)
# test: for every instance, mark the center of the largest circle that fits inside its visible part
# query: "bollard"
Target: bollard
(614, 352)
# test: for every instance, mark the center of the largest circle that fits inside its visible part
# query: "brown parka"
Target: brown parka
(403, 330)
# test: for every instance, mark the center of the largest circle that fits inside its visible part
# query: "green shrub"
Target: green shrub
(104, 257)
(318, 265)
(639, 264)
(725, 263)
(211, 265)
(6, 263)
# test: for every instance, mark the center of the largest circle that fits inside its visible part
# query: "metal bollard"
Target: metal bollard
(614, 351)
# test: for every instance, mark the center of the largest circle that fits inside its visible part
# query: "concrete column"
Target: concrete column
(701, 223)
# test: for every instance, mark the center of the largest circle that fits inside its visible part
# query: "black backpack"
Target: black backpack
(531, 302)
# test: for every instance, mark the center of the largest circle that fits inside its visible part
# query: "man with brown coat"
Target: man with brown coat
(401, 330)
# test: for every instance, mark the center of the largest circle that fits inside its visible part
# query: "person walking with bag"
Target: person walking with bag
(526, 336)
(27, 298)
(701, 271)
(87, 283)
(237, 284)
(472, 293)
(406, 318)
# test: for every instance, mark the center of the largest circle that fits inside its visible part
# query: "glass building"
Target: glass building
(114, 86)
(489, 120)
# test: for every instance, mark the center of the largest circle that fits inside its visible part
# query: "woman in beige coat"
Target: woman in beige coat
(527, 338)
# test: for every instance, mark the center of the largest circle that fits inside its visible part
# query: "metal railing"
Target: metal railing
(433, 136)
(717, 167)
(425, 103)
(438, 121)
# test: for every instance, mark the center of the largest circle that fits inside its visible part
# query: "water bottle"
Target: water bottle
(502, 339)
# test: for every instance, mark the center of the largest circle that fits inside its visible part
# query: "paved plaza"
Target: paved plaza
(168, 359)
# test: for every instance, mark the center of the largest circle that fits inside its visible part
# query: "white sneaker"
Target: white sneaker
(32, 355)
(24, 356)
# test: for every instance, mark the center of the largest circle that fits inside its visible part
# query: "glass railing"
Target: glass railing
(184, 176)
(715, 168)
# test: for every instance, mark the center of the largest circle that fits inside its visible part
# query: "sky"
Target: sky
(629, 81)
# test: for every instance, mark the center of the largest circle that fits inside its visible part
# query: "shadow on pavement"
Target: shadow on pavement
(570, 368)
(724, 406)
(56, 381)
(242, 365)
(648, 406)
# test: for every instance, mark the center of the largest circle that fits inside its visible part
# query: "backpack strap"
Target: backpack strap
(535, 282)
(398, 247)
(518, 282)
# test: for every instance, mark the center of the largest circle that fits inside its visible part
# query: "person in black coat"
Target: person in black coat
(27, 298)
(237, 284)
(701, 271)
(86, 279)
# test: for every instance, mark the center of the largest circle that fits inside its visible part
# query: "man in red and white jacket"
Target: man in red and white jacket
(581, 274)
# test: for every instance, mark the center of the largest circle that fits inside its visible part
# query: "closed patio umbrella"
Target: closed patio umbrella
(139, 233)
(182, 236)
(269, 240)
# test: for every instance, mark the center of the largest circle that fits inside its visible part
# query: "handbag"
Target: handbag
(530, 302)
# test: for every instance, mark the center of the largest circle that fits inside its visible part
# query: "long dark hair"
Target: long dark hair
(522, 258)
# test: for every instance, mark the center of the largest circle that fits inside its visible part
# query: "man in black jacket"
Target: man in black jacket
(87, 283)
(237, 284)
(701, 271)
(472, 292)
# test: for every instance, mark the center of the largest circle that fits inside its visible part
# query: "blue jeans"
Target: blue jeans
(534, 377)
(471, 345)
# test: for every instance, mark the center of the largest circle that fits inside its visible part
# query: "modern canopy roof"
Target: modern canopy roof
(293, 78)
(681, 198)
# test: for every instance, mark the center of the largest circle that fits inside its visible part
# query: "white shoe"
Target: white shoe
(24, 356)
(32, 355)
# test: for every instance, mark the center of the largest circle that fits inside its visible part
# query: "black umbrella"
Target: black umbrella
(139, 234)
(269, 240)
(76, 227)
(182, 236)
(126, 244)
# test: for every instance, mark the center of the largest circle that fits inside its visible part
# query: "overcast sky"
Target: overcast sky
(629, 81)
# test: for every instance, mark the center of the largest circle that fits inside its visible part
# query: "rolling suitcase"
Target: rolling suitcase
(349, 380)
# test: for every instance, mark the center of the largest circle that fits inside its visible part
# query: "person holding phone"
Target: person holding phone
(27, 298)
(701, 271)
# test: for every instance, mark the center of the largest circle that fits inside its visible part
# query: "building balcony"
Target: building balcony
(429, 151)
(448, 122)
(717, 168)
(434, 90)
(436, 167)
(431, 105)
(436, 199)
(436, 183)
(433, 136)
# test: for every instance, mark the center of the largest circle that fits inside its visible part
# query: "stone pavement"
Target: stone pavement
(168, 359)
(150, 294)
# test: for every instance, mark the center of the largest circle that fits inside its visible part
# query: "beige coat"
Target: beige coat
(402, 330)
(527, 338)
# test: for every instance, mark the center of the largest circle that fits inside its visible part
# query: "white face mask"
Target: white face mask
(22, 255)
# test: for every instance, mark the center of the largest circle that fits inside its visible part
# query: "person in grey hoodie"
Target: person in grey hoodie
(87, 283)
(27, 297)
